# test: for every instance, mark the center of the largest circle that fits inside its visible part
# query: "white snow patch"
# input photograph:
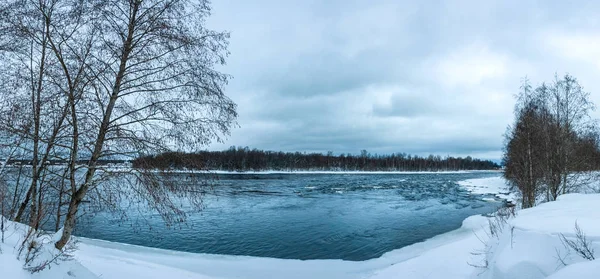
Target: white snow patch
(451, 258)
(529, 247)
(10, 267)
(589, 269)
(496, 186)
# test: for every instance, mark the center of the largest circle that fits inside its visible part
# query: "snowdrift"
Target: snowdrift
(530, 246)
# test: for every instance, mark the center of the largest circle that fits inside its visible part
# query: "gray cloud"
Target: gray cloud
(396, 76)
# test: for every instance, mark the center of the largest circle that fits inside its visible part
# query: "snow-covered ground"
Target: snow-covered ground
(531, 247)
(528, 247)
(10, 267)
(582, 270)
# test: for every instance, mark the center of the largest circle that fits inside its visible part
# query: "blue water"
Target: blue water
(308, 216)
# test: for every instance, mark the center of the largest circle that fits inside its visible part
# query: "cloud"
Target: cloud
(578, 46)
(396, 76)
(470, 65)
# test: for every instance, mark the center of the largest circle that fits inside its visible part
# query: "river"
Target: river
(307, 216)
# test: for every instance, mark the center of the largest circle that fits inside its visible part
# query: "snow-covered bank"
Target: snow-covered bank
(528, 247)
(489, 186)
(105, 259)
(451, 259)
(588, 269)
(102, 259)
(10, 267)
(12, 264)
(115, 260)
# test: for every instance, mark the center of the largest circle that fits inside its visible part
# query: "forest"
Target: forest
(245, 159)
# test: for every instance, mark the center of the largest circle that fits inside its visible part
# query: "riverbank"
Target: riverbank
(105, 259)
(528, 247)
(179, 265)
(102, 259)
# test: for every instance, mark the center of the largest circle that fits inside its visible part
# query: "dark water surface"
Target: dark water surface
(309, 216)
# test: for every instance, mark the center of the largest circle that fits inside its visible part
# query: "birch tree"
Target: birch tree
(154, 87)
(29, 92)
(526, 146)
(553, 142)
(112, 79)
(570, 107)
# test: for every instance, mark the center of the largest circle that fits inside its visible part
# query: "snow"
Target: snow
(560, 216)
(452, 259)
(490, 185)
(589, 269)
(10, 266)
(592, 185)
(528, 246)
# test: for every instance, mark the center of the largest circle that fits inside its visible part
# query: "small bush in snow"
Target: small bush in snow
(581, 245)
(496, 224)
(41, 253)
(500, 220)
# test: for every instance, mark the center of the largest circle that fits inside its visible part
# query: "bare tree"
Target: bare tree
(153, 87)
(33, 81)
(112, 79)
(556, 134)
(570, 107)
(525, 147)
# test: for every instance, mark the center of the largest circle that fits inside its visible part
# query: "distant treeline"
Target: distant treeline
(245, 159)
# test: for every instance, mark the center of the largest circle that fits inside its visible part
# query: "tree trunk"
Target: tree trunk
(23, 206)
(15, 199)
(77, 197)
(69, 224)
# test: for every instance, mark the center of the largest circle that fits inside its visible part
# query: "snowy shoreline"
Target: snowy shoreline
(105, 259)
(229, 266)
(467, 252)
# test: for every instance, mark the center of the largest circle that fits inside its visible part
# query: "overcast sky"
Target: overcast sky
(389, 76)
